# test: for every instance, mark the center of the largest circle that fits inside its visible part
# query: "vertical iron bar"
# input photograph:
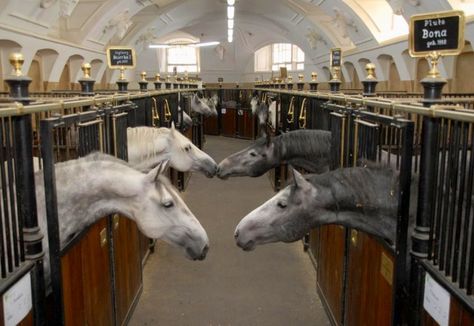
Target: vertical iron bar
(47, 151)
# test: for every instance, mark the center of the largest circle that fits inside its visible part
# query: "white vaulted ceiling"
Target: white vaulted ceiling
(314, 25)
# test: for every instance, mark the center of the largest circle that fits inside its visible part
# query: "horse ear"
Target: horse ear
(172, 126)
(268, 136)
(154, 173)
(298, 179)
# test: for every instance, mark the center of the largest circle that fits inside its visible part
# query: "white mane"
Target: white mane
(145, 143)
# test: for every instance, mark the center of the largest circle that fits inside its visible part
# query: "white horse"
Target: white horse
(203, 106)
(98, 185)
(265, 113)
(148, 146)
(187, 121)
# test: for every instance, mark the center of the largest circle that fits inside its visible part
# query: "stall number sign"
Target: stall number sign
(441, 32)
(17, 301)
(336, 57)
(120, 57)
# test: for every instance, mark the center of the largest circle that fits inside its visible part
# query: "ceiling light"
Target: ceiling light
(230, 12)
(230, 2)
(230, 38)
(230, 32)
(169, 45)
(198, 45)
(230, 23)
(159, 46)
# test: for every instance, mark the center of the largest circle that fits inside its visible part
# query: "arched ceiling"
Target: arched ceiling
(315, 25)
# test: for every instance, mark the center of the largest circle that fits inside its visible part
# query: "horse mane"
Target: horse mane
(141, 139)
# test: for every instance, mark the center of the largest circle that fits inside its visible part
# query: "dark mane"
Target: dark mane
(308, 149)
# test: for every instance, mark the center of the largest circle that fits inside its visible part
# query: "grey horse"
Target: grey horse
(307, 149)
(363, 198)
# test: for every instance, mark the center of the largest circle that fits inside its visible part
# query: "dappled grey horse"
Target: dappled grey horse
(98, 185)
(363, 198)
(308, 149)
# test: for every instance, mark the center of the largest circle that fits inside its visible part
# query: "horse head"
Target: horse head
(162, 214)
(201, 106)
(285, 217)
(187, 120)
(185, 156)
(252, 161)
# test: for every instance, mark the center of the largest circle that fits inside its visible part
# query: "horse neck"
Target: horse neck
(304, 145)
(88, 192)
(355, 199)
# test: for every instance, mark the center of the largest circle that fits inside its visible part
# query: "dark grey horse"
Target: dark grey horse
(307, 149)
(361, 198)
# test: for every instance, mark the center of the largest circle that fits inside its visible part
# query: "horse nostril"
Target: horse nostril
(236, 234)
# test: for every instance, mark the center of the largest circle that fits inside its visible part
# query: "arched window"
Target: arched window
(184, 58)
(274, 56)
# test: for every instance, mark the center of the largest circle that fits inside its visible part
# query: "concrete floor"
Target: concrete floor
(273, 285)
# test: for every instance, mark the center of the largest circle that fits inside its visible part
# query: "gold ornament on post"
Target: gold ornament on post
(370, 68)
(143, 75)
(335, 72)
(290, 78)
(17, 60)
(86, 70)
(122, 73)
(314, 76)
(300, 77)
(433, 58)
(168, 78)
(157, 77)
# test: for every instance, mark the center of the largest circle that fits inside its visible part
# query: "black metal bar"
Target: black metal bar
(468, 228)
(4, 204)
(459, 219)
(451, 194)
(47, 150)
(400, 282)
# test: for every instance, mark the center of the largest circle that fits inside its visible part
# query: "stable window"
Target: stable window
(183, 57)
(274, 56)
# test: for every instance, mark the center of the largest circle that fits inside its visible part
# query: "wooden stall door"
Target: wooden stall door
(87, 286)
(229, 122)
(246, 124)
(330, 268)
(211, 126)
(369, 282)
(128, 268)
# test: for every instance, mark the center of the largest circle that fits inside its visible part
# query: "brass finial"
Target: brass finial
(168, 78)
(143, 75)
(86, 69)
(314, 76)
(300, 77)
(122, 73)
(370, 68)
(290, 78)
(17, 60)
(433, 58)
(335, 72)
(157, 76)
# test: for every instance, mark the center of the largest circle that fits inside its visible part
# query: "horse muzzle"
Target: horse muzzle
(198, 256)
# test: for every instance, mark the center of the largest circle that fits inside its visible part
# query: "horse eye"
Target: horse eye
(168, 204)
(281, 204)
(253, 154)
(187, 148)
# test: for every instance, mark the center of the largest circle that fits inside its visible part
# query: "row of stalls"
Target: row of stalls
(363, 280)
(97, 278)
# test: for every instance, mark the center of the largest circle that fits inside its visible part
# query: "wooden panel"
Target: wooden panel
(128, 271)
(73, 296)
(246, 124)
(369, 293)
(229, 122)
(211, 126)
(330, 268)
(458, 316)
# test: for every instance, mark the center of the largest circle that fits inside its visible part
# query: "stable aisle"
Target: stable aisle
(273, 285)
